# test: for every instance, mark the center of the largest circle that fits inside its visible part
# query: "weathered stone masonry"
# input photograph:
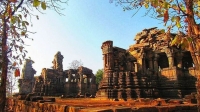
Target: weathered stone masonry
(149, 68)
(56, 81)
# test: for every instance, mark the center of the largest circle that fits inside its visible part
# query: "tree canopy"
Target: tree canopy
(99, 76)
(173, 13)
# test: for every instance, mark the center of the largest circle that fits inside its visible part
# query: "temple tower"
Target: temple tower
(26, 82)
(57, 62)
(108, 63)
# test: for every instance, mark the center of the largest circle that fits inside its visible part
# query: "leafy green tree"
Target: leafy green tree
(179, 15)
(15, 17)
(99, 76)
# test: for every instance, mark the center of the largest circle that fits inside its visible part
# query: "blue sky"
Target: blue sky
(79, 34)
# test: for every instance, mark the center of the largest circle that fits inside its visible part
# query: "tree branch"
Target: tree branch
(180, 8)
(18, 6)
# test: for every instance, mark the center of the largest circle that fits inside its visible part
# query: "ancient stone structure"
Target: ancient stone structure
(56, 82)
(47, 104)
(26, 82)
(149, 68)
(80, 82)
(57, 62)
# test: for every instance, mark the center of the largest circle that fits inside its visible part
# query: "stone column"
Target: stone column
(144, 63)
(104, 63)
(110, 61)
(116, 65)
(136, 66)
(115, 79)
(81, 77)
(150, 59)
(46, 89)
(170, 57)
(139, 65)
(105, 87)
(110, 79)
(107, 49)
(156, 56)
(69, 78)
(87, 83)
(179, 57)
(129, 66)
(140, 61)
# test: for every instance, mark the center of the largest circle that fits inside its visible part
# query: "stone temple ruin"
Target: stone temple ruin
(150, 76)
(150, 68)
(56, 81)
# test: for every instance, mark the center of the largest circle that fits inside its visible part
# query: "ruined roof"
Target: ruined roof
(152, 38)
(85, 70)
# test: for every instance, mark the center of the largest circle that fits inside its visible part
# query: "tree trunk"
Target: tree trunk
(4, 68)
(194, 32)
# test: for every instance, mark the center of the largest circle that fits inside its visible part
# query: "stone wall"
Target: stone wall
(72, 105)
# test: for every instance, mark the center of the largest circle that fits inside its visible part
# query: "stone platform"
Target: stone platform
(48, 104)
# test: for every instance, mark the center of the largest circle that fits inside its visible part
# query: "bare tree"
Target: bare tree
(11, 84)
(75, 64)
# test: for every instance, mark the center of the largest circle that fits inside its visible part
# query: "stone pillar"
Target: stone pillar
(79, 82)
(150, 64)
(69, 77)
(122, 80)
(149, 71)
(81, 77)
(110, 79)
(156, 56)
(140, 61)
(46, 89)
(136, 66)
(107, 48)
(106, 85)
(170, 57)
(179, 57)
(150, 59)
(115, 79)
(87, 84)
(116, 65)
(144, 63)
(139, 65)
(129, 66)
